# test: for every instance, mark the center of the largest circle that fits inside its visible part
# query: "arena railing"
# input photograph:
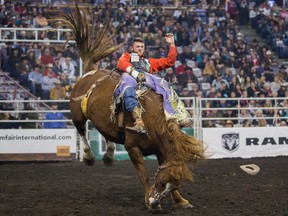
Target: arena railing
(15, 31)
(275, 106)
(17, 108)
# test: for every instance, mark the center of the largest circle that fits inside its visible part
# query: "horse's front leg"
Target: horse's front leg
(136, 157)
(179, 200)
(108, 157)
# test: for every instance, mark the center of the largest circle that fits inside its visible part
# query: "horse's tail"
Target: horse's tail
(93, 42)
(186, 148)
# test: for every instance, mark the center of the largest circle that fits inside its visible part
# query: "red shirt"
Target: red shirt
(46, 59)
(231, 7)
(155, 64)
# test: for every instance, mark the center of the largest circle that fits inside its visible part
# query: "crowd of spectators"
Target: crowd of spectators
(215, 59)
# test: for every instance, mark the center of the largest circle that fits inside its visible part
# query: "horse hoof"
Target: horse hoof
(89, 162)
(185, 205)
(108, 160)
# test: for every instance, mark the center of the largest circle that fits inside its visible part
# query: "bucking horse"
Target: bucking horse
(92, 98)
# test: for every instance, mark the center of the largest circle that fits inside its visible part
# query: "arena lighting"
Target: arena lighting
(251, 169)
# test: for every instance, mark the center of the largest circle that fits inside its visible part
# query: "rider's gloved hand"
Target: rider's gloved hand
(139, 76)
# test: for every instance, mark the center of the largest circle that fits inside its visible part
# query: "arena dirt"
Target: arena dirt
(220, 188)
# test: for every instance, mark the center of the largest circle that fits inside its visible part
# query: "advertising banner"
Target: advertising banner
(246, 142)
(38, 144)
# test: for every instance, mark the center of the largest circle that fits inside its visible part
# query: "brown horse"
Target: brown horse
(95, 91)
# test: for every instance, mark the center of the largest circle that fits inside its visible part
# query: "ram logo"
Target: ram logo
(230, 141)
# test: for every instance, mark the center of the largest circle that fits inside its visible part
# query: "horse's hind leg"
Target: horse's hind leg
(179, 200)
(108, 157)
(88, 156)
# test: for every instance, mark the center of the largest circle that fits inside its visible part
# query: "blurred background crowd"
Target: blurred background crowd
(215, 58)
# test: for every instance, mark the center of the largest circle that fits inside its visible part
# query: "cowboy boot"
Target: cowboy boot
(138, 124)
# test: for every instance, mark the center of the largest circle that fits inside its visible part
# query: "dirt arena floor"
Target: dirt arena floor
(71, 188)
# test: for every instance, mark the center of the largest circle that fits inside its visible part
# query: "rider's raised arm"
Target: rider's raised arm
(162, 63)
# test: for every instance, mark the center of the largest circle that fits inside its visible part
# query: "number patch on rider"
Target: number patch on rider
(135, 57)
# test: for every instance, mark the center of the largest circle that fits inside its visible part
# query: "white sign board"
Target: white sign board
(246, 142)
(58, 142)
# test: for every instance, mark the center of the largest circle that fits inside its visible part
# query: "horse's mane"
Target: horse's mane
(93, 42)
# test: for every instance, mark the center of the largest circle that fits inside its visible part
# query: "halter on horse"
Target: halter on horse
(174, 149)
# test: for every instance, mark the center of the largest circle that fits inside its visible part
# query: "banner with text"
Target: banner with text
(246, 142)
(42, 144)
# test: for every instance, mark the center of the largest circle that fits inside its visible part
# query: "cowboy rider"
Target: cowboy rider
(134, 65)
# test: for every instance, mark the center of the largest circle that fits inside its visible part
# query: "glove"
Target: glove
(139, 76)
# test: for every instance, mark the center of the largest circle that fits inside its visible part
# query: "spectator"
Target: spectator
(31, 58)
(35, 81)
(64, 80)
(57, 68)
(49, 68)
(54, 116)
(244, 116)
(71, 52)
(38, 51)
(266, 90)
(217, 82)
(28, 116)
(12, 63)
(46, 57)
(268, 75)
(283, 76)
(259, 120)
(268, 58)
(246, 123)
(283, 89)
(40, 20)
(57, 92)
(269, 112)
(230, 114)
(227, 75)
(8, 125)
(229, 123)
(23, 69)
(47, 85)
(224, 89)
(209, 71)
(252, 90)
(68, 68)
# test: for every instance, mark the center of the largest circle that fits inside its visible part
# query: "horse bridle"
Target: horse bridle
(157, 195)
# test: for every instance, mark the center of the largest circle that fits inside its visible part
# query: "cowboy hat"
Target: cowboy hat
(49, 65)
(57, 81)
(251, 169)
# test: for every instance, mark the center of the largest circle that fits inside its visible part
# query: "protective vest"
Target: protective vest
(140, 64)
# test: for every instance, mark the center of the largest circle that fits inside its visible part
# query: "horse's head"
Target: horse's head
(168, 177)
